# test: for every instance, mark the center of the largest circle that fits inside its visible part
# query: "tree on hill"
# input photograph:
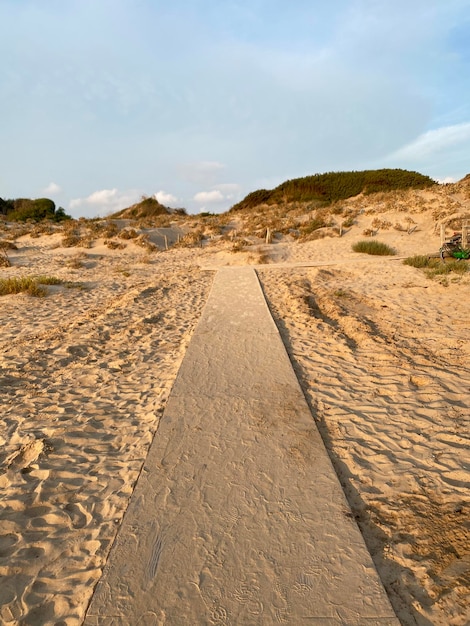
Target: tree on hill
(333, 186)
(23, 209)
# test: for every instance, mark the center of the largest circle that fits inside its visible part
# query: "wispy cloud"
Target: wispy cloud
(240, 91)
(168, 199)
(208, 196)
(104, 201)
(435, 141)
(52, 189)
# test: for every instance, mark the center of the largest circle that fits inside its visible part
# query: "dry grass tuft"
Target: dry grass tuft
(373, 247)
(128, 233)
(112, 244)
(4, 260)
(144, 242)
(192, 239)
(76, 262)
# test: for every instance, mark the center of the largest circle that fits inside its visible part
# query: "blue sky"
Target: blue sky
(203, 101)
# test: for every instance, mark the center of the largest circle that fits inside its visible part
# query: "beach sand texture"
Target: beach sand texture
(238, 517)
(381, 353)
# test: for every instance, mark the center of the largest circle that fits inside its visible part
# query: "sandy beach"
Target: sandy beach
(381, 351)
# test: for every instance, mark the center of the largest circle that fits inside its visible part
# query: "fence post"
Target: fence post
(465, 227)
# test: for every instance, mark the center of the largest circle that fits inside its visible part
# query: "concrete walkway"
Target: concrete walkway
(238, 517)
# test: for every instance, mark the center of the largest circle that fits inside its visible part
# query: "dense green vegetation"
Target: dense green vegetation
(334, 186)
(24, 209)
(373, 247)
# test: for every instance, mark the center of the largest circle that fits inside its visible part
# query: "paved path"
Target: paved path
(238, 517)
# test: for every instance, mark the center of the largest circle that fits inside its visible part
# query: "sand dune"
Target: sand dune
(382, 354)
(385, 368)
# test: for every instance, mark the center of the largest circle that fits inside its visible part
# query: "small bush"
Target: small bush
(435, 267)
(8, 245)
(32, 285)
(453, 267)
(191, 239)
(128, 233)
(114, 245)
(420, 261)
(314, 224)
(48, 280)
(4, 260)
(239, 245)
(144, 242)
(382, 224)
(71, 240)
(373, 247)
(399, 227)
(76, 262)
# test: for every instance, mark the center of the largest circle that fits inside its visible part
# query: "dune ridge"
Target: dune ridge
(381, 351)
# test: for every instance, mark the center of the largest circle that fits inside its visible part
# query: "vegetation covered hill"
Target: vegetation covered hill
(23, 209)
(147, 207)
(334, 186)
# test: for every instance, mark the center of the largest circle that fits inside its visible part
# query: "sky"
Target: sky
(199, 102)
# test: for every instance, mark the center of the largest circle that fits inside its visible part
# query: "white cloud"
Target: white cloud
(52, 188)
(435, 141)
(447, 179)
(230, 190)
(102, 197)
(104, 201)
(209, 196)
(166, 198)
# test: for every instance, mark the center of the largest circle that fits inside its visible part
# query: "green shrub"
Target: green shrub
(32, 285)
(25, 209)
(420, 261)
(435, 267)
(373, 247)
(335, 186)
(48, 280)
(313, 224)
(452, 267)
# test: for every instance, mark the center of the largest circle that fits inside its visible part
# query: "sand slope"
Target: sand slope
(382, 354)
(84, 378)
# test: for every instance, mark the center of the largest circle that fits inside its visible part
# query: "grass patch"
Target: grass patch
(373, 247)
(31, 285)
(48, 280)
(435, 267)
(420, 261)
(453, 267)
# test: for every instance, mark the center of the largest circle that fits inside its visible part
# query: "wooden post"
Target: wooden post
(166, 242)
(341, 229)
(465, 228)
(269, 237)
